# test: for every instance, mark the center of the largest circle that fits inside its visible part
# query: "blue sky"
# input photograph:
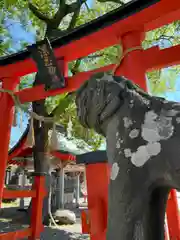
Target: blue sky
(19, 34)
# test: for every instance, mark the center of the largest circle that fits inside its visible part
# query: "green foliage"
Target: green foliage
(169, 34)
(162, 81)
(58, 104)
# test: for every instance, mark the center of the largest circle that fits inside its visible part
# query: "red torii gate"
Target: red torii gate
(128, 23)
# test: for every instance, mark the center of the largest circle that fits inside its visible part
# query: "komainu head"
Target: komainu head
(98, 99)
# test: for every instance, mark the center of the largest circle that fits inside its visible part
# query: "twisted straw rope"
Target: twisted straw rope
(31, 113)
(122, 54)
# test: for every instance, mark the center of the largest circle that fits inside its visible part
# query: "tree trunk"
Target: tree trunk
(48, 186)
(41, 162)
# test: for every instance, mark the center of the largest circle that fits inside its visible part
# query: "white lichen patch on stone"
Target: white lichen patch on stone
(150, 135)
(127, 152)
(156, 128)
(145, 101)
(118, 145)
(114, 171)
(178, 120)
(127, 122)
(140, 157)
(98, 90)
(165, 127)
(144, 153)
(165, 101)
(134, 133)
(131, 104)
(153, 149)
(150, 116)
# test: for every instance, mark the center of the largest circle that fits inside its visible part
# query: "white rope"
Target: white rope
(32, 114)
(122, 54)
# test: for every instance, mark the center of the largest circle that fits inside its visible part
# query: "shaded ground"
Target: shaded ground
(65, 232)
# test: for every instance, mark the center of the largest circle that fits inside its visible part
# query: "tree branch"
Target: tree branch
(97, 55)
(76, 66)
(39, 15)
(114, 1)
(73, 7)
(60, 14)
(74, 18)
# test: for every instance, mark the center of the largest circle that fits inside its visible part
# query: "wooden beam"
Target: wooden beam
(153, 59)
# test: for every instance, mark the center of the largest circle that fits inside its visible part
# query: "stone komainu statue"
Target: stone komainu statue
(143, 148)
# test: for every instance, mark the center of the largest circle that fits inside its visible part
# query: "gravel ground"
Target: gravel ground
(65, 232)
(68, 234)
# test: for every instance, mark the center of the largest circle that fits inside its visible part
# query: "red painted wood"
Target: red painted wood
(37, 206)
(8, 194)
(18, 234)
(19, 151)
(73, 83)
(156, 58)
(85, 222)
(97, 175)
(173, 217)
(6, 119)
(110, 36)
(64, 156)
(18, 163)
(153, 58)
(133, 65)
(166, 18)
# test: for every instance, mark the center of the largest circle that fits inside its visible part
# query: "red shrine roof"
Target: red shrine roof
(20, 150)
